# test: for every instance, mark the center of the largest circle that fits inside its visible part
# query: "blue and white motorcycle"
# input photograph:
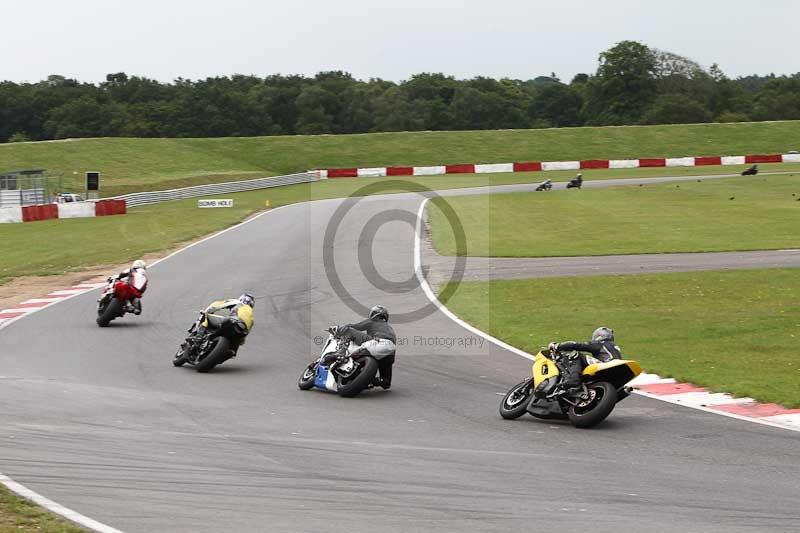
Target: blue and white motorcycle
(345, 376)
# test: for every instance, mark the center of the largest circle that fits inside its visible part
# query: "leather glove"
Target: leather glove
(553, 347)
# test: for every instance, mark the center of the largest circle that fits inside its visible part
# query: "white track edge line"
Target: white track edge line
(56, 508)
(37, 498)
(435, 300)
(10, 321)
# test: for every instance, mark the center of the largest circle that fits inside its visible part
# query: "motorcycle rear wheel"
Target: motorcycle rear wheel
(515, 402)
(306, 381)
(112, 310)
(218, 355)
(597, 409)
(368, 370)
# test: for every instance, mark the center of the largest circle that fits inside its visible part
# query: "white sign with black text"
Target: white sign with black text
(215, 203)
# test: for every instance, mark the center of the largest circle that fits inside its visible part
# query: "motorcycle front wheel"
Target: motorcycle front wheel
(179, 359)
(589, 413)
(515, 402)
(306, 381)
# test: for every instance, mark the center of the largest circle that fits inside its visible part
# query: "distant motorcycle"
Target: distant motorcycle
(345, 376)
(111, 303)
(576, 182)
(750, 171)
(546, 185)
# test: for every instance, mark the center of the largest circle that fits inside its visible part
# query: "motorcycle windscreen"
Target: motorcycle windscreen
(325, 379)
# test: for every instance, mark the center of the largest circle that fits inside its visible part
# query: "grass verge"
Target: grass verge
(18, 514)
(142, 164)
(711, 215)
(73, 245)
(731, 331)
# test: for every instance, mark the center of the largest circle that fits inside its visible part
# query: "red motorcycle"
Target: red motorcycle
(114, 300)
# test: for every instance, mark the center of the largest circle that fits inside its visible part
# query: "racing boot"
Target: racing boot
(385, 373)
(137, 306)
(571, 374)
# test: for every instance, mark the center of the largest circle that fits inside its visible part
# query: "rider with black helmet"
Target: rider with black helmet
(375, 337)
(601, 346)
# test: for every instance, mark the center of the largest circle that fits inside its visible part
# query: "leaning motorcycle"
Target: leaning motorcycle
(212, 344)
(603, 385)
(750, 171)
(575, 183)
(111, 303)
(346, 376)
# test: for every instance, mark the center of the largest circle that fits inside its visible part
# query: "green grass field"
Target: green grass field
(142, 164)
(711, 215)
(20, 515)
(69, 245)
(58, 246)
(732, 331)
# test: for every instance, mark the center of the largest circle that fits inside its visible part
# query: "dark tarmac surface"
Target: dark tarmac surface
(99, 420)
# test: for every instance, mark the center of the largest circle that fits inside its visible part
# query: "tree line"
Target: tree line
(633, 84)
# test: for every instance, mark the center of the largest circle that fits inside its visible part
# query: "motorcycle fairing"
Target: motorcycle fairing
(546, 409)
(543, 369)
(617, 372)
(325, 379)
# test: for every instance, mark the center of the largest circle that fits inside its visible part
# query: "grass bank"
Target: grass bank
(69, 245)
(695, 216)
(139, 164)
(731, 331)
(20, 515)
(72, 245)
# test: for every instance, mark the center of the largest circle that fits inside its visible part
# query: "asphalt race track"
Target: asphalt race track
(99, 420)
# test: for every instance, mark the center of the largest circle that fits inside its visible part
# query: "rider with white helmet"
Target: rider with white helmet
(136, 278)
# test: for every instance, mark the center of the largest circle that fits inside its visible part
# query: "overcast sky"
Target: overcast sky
(166, 39)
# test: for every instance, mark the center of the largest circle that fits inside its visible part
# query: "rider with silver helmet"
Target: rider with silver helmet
(571, 364)
(375, 337)
(136, 278)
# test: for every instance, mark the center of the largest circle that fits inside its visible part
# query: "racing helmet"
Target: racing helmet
(139, 263)
(379, 311)
(603, 334)
(247, 299)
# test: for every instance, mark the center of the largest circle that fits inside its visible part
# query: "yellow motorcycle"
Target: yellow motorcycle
(602, 386)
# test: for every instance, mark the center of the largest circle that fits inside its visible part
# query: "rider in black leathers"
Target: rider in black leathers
(571, 364)
(375, 337)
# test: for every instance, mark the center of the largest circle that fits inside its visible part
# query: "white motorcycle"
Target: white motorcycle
(345, 376)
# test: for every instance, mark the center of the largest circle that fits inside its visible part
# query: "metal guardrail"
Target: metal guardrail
(144, 198)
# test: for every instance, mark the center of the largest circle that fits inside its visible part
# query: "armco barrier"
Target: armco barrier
(143, 198)
(119, 205)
